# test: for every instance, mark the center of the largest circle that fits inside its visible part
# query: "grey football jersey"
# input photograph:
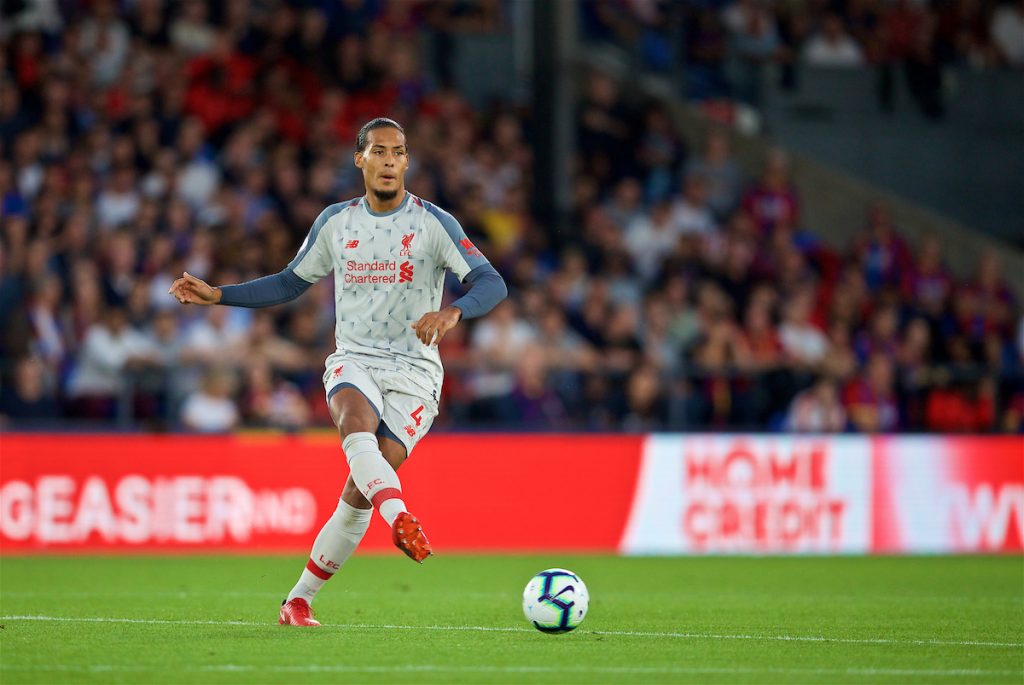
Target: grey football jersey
(388, 271)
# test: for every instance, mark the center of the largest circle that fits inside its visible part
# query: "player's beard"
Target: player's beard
(385, 195)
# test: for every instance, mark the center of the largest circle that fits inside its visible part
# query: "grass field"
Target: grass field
(458, 619)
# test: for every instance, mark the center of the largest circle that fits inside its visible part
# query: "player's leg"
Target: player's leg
(373, 475)
(406, 532)
(341, 535)
(411, 415)
(351, 395)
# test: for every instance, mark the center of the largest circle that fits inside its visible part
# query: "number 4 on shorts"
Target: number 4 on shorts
(416, 415)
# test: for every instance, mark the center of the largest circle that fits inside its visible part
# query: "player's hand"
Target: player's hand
(191, 290)
(432, 326)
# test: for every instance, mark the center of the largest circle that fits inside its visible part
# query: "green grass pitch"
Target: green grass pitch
(457, 619)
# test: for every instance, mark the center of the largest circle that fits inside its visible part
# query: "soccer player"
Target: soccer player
(388, 251)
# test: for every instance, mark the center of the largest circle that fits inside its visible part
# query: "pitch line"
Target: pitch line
(496, 629)
(440, 668)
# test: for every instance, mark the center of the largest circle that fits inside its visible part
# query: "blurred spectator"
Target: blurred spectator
(619, 341)
(817, 410)
(497, 342)
(626, 203)
(760, 340)
(881, 336)
(723, 397)
(927, 283)
(103, 41)
(215, 338)
(721, 173)
(802, 341)
(871, 400)
(961, 408)
(190, 33)
(646, 404)
(211, 409)
(110, 350)
(882, 253)
(28, 397)
(660, 151)
(832, 46)
(755, 39)
(165, 339)
(272, 402)
(1013, 417)
(604, 129)
(48, 335)
(1008, 32)
(707, 48)
(119, 203)
(563, 347)
(773, 201)
(691, 214)
(262, 345)
(650, 238)
(533, 403)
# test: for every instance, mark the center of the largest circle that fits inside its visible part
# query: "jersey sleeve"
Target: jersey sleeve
(455, 250)
(314, 259)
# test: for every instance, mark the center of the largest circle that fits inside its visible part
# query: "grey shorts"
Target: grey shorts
(405, 407)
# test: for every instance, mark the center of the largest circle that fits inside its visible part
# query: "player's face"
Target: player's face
(384, 162)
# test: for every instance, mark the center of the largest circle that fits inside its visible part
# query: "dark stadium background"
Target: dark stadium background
(766, 274)
(143, 139)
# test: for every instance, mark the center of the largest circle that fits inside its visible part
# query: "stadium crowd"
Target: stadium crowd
(143, 140)
(724, 48)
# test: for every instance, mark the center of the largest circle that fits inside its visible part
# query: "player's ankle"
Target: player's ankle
(390, 509)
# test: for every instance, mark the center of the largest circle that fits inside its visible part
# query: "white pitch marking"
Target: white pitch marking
(147, 621)
(439, 668)
(496, 629)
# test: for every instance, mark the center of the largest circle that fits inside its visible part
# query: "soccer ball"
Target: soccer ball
(555, 601)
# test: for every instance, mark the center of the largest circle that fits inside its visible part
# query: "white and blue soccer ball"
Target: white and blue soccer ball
(555, 601)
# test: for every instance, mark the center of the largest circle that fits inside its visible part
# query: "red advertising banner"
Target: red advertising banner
(751, 494)
(659, 494)
(934, 494)
(239, 493)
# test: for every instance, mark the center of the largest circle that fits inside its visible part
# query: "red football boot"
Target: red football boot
(407, 534)
(297, 612)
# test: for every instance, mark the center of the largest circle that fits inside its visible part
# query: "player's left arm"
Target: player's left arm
(487, 288)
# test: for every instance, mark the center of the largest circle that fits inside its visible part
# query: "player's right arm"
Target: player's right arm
(312, 263)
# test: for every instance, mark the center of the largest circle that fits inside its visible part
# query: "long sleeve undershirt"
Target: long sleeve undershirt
(486, 290)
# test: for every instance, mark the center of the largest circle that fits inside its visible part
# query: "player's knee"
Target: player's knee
(356, 424)
(353, 414)
(351, 420)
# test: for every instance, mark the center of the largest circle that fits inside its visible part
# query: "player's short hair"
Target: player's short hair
(379, 122)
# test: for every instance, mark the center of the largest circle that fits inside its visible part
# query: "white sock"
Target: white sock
(373, 475)
(333, 546)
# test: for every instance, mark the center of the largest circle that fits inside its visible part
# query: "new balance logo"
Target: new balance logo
(469, 247)
(352, 243)
(405, 272)
(407, 245)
